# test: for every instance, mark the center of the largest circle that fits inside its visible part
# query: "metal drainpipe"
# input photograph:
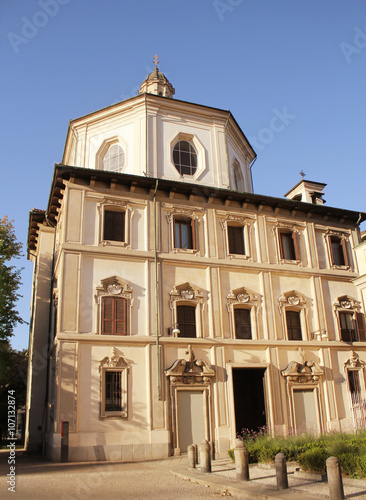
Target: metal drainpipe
(156, 296)
(251, 173)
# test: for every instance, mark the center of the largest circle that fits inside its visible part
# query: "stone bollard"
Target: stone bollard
(281, 471)
(205, 456)
(191, 456)
(241, 461)
(335, 482)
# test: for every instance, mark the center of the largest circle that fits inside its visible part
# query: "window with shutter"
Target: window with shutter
(114, 316)
(243, 328)
(361, 326)
(288, 246)
(348, 327)
(236, 240)
(186, 319)
(184, 234)
(114, 225)
(293, 325)
(338, 251)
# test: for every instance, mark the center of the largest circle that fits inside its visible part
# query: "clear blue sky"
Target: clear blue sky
(304, 59)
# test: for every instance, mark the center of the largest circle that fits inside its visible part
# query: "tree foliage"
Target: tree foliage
(13, 376)
(10, 278)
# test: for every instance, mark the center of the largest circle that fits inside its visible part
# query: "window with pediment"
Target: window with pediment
(350, 320)
(354, 369)
(186, 305)
(184, 229)
(115, 218)
(287, 243)
(243, 307)
(114, 304)
(294, 311)
(236, 236)
(113, 386)
(337, 244)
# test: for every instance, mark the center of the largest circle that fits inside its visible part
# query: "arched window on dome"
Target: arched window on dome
(114, 158)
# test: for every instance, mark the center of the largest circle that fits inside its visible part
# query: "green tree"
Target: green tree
(10, 278)
(13, 376)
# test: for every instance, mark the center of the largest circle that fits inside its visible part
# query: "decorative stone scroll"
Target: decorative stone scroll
(307, 372)
(113, 361)
(354, 362)
(114, 286)
(190, 371)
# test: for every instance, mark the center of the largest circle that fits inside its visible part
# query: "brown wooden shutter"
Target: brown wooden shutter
(107, 316)
(121, 316)
(344, 248)
(361, 325)
(282, 250)
(193, 230)
(296, 247)
(331, 250)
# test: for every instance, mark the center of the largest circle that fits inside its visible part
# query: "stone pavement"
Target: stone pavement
(169, 478)
(262, 484)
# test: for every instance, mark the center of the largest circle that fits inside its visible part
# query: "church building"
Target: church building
(172, 304)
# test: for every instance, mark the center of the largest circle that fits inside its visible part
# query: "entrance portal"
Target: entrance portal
(250, 410)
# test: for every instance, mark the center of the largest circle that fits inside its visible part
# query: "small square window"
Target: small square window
(293, 325)
(236, 240)
(114, 225)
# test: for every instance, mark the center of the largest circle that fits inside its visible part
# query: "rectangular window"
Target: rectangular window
(113, 391)
(338, 251)
(114, 226)
(236, 240)
(184, 235)
(348, 327)
(186, 319)
(293, 325)
(243, 328)
(114, 316)
(354, 382)
(288, 246)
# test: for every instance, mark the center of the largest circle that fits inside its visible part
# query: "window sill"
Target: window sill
(185, 250)
(105, 243)
(290, 261)
(113, 414)
(238, 256)
(340, 268)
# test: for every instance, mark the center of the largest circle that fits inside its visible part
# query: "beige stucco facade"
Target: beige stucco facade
(172, 388)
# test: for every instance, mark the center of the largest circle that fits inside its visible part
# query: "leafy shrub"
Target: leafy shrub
(313, 459)
(309, 451)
